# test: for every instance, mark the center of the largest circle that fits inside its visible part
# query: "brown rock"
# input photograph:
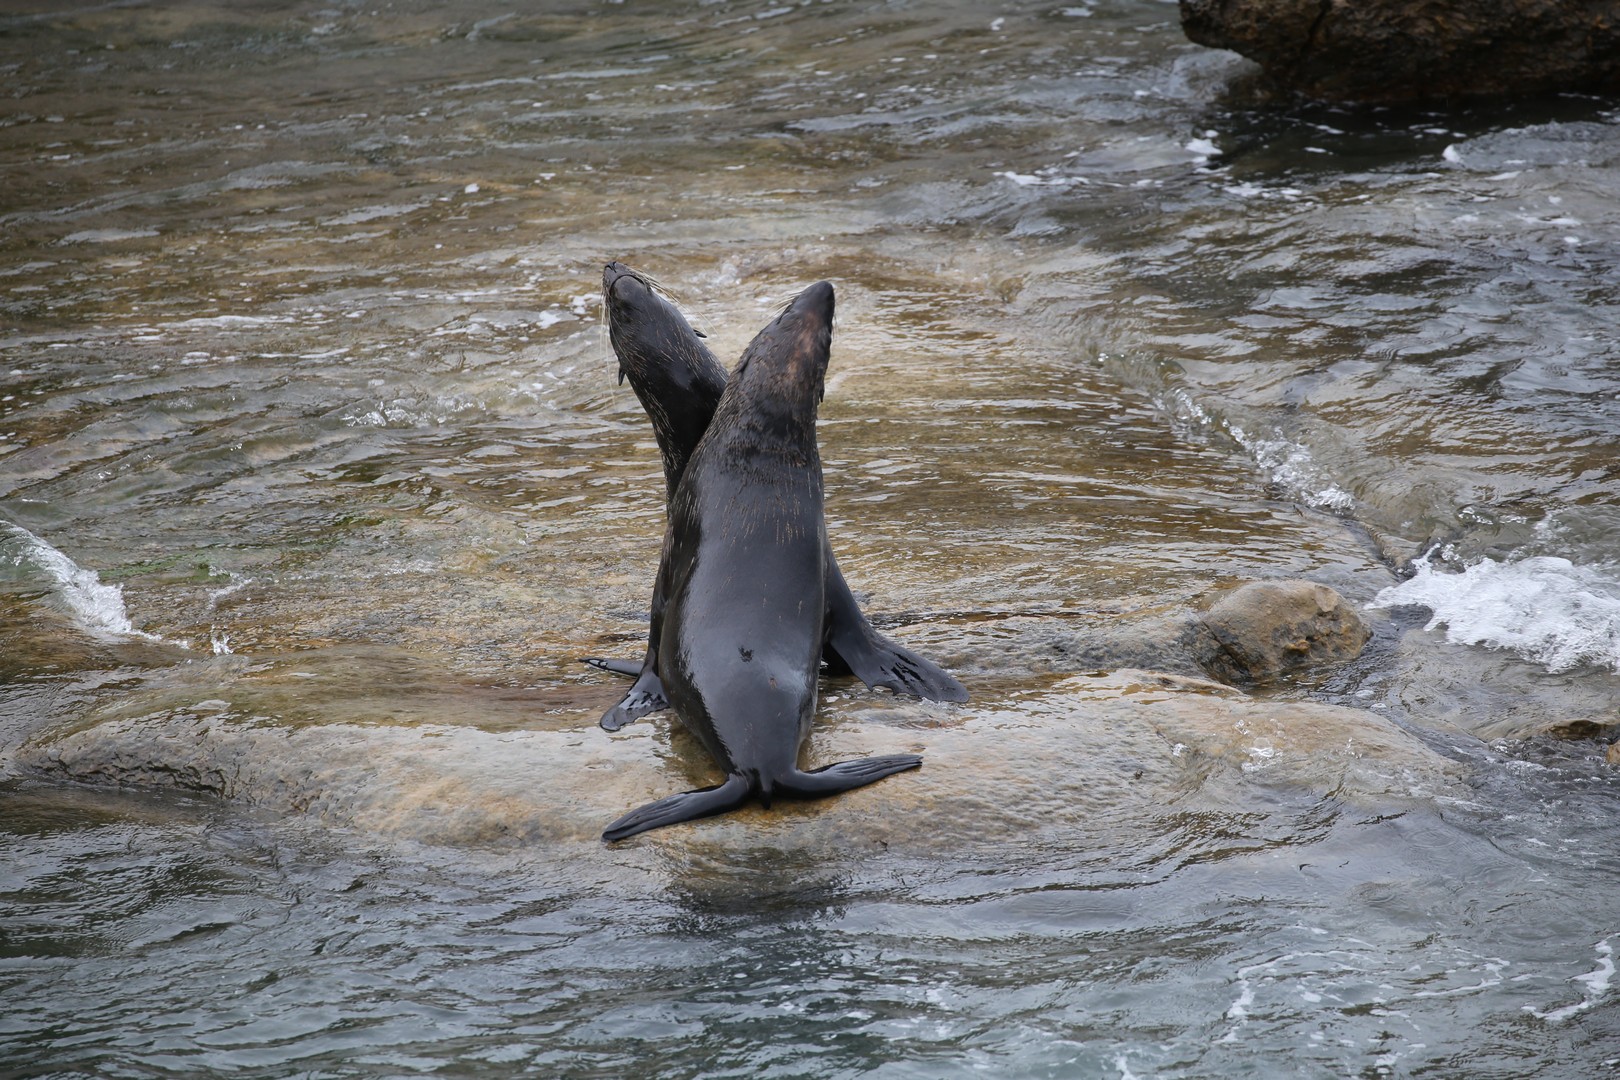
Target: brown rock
(1268, 629)
(1103, 761)
(1397, 50)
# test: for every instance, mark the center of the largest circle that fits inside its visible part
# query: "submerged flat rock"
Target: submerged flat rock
(1088, 755)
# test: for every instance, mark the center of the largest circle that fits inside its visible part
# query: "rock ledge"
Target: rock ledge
(1387, 51)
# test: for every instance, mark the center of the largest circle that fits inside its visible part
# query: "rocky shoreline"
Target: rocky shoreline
(1067, 748)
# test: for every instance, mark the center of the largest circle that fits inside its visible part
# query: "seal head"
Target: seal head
(676, 378)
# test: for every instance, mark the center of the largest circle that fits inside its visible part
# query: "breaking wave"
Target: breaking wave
(77, 592)
(1546, 609)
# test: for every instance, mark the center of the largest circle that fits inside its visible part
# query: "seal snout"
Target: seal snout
(613, 274)
(807, 318)
(816, 303)
(620, 282)
(811, 314)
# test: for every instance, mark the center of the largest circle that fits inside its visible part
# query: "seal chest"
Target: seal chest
(743, 579)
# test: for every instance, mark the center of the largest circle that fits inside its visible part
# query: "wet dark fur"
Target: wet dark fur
(744, 577)
(679, 383)
(674, 375)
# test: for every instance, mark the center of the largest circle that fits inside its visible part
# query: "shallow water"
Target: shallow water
(306, 416)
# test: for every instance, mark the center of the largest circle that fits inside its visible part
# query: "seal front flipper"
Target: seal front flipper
(645, 696)
(687, 806)
(873, 658)
(616, 667)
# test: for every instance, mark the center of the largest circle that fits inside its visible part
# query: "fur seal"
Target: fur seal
(679, 383)
(743, 578)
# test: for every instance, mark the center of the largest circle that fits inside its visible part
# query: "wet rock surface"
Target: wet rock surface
(1492, 694)
(1265, 630)
(1087, 751)
(1391, 51)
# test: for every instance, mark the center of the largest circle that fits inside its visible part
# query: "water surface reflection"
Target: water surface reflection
(301, 377)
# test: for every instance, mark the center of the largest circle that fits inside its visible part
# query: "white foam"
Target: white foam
(1596, 981)
(1039, 180)
(1122, 1064)
(1546, 609)
(1288, 463)
(374, 213)
(225, 322)
(80, 593)
(1291, 466)
(107, 236)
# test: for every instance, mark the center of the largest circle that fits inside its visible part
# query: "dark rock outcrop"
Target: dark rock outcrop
(1385, 51)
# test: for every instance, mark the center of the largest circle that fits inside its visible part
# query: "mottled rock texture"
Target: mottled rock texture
(1386, 51)
(1268, 629)
(1092, 758)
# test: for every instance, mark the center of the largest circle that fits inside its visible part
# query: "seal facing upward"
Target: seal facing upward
(679, 383)
(744, 577)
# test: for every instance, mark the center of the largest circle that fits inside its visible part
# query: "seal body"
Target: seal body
(743, 575)
(679, 383)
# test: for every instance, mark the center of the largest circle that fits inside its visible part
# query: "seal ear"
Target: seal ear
(700, 333)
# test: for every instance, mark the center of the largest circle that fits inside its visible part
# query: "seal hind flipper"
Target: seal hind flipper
(616, 667)
(707, 802)
(844, 776)
(687, 806)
